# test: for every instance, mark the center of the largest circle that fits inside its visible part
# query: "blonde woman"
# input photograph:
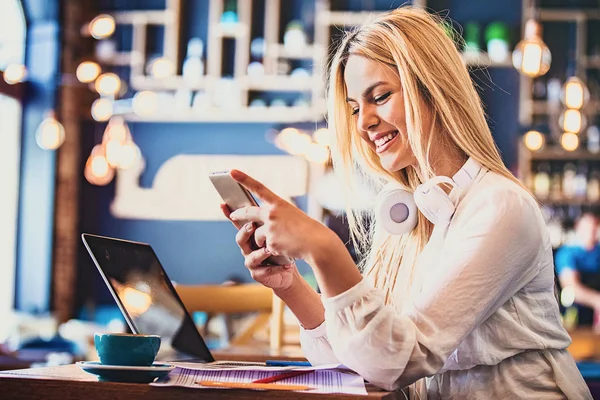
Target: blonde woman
(466, 302)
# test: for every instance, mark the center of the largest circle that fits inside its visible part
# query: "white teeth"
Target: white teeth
(384, 139)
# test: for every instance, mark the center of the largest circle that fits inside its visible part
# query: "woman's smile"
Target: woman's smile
(383, 143)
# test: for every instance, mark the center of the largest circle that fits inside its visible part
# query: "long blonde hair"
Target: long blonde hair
(433, 75)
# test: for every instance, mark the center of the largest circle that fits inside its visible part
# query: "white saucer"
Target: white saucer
(154, 367)
(126, 373)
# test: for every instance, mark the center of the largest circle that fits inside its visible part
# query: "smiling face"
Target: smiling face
(377, 103)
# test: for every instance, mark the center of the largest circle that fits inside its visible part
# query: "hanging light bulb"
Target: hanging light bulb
(130, 154)
(108, 84)
(15, 73)
(531, 56)
(97, 170)
(102, 26)
(533, 140)
(87, 71)
(569, 141)
(575, 93)
(116, 129)
(50, 134)
(145, 103)
(321, 136)
(293, 141)
(102, 109)
(162, 68)
(284, 139)
(572, 121)
(119, 148)
(115, 136)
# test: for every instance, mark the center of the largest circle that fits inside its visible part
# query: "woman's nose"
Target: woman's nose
(367, 120)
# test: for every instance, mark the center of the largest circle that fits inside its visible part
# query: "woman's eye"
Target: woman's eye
(382, 98)
(354, 111)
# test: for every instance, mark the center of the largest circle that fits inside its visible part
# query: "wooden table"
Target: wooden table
(69, 382)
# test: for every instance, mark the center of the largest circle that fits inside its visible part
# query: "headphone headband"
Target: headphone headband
(465, 176)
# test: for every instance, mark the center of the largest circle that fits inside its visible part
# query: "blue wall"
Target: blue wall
(36, 198)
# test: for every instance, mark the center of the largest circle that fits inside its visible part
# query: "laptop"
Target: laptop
(147, 299)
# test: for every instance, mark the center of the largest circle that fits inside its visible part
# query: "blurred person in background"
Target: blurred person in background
(578, 269)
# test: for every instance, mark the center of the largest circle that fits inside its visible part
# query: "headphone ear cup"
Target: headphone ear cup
(396, 211)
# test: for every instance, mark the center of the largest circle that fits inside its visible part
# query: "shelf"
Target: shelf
(308, 52)
(282, 83)
(119, 59)
(285, 115)
(566, 15)
(346, 18)
(569, 202)
(562, 155)
(591, 62)
(233, 30)
(541, 107)
(143, 17)
(169, 83)
(481, 59)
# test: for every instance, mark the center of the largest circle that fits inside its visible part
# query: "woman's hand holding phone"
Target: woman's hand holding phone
(278, 278)
(280, 228)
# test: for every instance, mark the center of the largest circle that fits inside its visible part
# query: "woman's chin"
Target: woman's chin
(393, 164)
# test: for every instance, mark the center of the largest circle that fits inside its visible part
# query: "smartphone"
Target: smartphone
(236, 196)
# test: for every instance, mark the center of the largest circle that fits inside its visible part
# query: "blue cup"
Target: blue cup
(126, 349)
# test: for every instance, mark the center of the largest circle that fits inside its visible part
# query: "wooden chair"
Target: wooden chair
(239, 299)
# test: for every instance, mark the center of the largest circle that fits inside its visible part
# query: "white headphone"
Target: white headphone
(396, 208)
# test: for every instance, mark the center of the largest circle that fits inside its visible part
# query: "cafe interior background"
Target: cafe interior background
(114, 112)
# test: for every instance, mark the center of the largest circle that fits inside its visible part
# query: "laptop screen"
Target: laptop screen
(145, 294)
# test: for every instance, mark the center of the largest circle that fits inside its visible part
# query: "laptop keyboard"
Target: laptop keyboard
(237, 363)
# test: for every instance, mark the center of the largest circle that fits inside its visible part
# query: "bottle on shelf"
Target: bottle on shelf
(257, 48)
(581, 181)
(593, 186)
(553, 92)
(200, 102)
(497, 40)
(256, 69)
(539, 89)
(593, 139)
(555, 186)
(183, 99)
(555, 229)
(294, 38)
(541, 182)
(193, 65)
(229, 18)
(568, 181)
(471, 49)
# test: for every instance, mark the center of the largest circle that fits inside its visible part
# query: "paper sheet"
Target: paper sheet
(256, 367)
(322, 381)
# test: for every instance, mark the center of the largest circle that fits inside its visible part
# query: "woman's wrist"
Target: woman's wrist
(303, 301)
(296, 284)
(325, 246)
(334, 268)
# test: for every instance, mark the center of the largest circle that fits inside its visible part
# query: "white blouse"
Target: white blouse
(486, 323)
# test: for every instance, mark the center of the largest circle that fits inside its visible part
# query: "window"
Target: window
(12, 51)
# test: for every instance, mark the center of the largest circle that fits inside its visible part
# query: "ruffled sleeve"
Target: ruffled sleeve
(316, 347)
